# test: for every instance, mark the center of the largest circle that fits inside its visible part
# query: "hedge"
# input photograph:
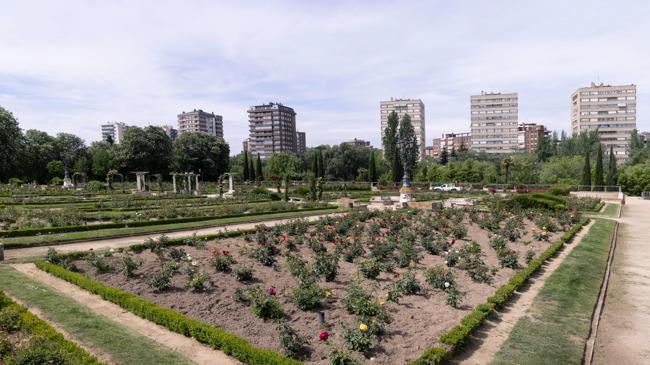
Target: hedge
(33, 325)
(457, 336)
(95, 227)
(212, 336)
(535, 200)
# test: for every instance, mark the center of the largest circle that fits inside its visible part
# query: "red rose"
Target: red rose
(272, 291)
(324, 336)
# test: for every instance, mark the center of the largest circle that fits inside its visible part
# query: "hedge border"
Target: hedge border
(98, 227)
(457, 336)
(37, 327)
(212, 336)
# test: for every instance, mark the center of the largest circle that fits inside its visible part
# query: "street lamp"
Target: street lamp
(405, 148)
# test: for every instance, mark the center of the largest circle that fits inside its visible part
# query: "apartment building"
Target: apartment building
(301, 142)
(358, 143)
(610, 110)
(435, 148)
(272, 129)
(170, 131)
(246, 145)
(414, 108)
(454, 141)
(113, 131)
(200, 121)
(529, 136)
(494, 122)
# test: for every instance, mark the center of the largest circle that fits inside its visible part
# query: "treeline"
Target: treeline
(35, 156)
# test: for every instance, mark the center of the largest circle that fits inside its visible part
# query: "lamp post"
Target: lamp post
(405, 151)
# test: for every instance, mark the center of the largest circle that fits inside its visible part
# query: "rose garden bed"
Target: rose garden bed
(388, 283)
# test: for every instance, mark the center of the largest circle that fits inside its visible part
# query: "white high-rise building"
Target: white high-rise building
(414, 108)
(200, 121)
(113, 131)
(494, 122)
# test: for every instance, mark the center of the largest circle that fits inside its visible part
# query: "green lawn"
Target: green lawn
(120, 343)
(51, 239)
(557, 331)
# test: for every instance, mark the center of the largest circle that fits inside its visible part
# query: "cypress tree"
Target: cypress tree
(314, 163)
(372, 168)
(444, 157)
(611, 168)
(390, 138)
(321, 164)
(246, 172)
(407, 135)
(258, 170)
(251, 169)
(599, 179)
(586, 171)
(396, 167)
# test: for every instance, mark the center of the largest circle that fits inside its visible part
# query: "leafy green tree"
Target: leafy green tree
(11, 145)
(407, 136)
(251, 168)
(147, 149)
(259, 173)
(39, 150)
(397, 170)
(201, 152)
(282, 163)
(505, 164)
(321, 164)
(612, 174)
(635, 179)
(586, 171)
(444, 156)
(55, 168)
(389, 142)
(103, 158)
(599, 178)
(344, 161)
(314, 165)
(635, 143)
(544, 149)
(562, 170)
(246, 173)
(372, 167)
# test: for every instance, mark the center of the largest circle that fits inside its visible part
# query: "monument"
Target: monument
(405, 151)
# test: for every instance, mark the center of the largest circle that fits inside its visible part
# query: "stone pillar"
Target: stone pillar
(196, 183)
(230, 183)
(137, 182)
(189, 184)
(174, 182)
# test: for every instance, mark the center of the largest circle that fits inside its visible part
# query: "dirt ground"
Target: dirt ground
(417, 321)
(623, 336)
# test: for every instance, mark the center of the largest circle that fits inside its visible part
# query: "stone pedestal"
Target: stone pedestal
(67, 183)
(405, 195)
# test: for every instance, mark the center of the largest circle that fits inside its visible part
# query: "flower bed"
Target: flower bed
(389, 283)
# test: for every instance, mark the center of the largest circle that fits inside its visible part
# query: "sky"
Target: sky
(69, 66)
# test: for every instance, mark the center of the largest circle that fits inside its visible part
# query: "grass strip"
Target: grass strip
(120, 343)
(212, 336)
(47, 240)
(34, 327)
(457, 336)
(557, 331)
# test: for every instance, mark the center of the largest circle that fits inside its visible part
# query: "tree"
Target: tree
(259, 174)
(148, 149)
(246, 173)
(586, 171)
(286, 187)
(505, 163)
(453, 153)
(635, 143)
(544, 149)
(611, 168)
(321, 164)
(201, 152)
(251, 168)
(38, 151)
(389, 139)
(102, 157)
(444, 157)
(10, 145)
(372, 168)
(282, 163)
(599, 179)
(397, 170)
(409, 140)
(635, 179)
(314, 165)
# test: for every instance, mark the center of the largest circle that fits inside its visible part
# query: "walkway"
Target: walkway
(20, 253)
(623, 335)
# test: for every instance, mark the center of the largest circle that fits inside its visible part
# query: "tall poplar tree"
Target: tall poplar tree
(372, 167)
(599, 179)
(611, 168)
(586, 171)
(407, 136)
(258, 169)
(321, 164)
(246, 172)
(314, 164)
(390, 142)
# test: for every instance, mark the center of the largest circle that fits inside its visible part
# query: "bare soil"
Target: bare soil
(417, 321)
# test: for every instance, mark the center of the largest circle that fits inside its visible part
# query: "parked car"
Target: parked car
(447, 187)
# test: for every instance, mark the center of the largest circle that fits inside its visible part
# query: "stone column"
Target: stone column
(230, 183)
(137, 182)
(174, 182)
(196, 183)
(189, 184)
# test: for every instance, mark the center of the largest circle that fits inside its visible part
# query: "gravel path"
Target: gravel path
(488, 340)
(623, 336)
(19, 253)
(186, 346)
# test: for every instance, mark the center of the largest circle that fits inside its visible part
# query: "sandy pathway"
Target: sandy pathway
(489, 339)
(186, 346)
(18, 253)
(623, 336)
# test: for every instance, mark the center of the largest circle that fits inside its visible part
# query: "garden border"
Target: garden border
(212, 336)
(36, 326)
(457, 336)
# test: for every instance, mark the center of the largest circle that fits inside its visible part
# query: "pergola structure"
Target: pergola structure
(187, 188)
(140, 180)
(231, 188)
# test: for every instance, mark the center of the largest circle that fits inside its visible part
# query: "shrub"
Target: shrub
(438, 277)
(300, 270)
(475, 268)
(265, 255)
(293, 345)
(435, 246)
(326, 265)
(162, 280)
(197, 282)
(10, 319)
(357, 301)
(454, 297)
(370, 269)
(243, 273)
(129, 265)
(52, 256)
(353, 251)
(340, 357)
(458, 231)
(308, 296)
(176, 254)
(508, 258)
(356, 340)
(407, 252)
(407, 285)
(223, 262)
(98, 263)
(530, 255)
(263, 304)
(38, 351)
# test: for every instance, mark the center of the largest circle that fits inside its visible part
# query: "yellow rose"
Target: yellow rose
(363, 327)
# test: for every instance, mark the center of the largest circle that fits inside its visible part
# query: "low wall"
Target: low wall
(613, 196)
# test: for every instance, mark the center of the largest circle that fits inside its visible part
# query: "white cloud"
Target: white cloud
(73, 65)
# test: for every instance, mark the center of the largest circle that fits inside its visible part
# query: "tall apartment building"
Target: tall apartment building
(200, 121)
(301, 142)
(246, 145)
(358, 143)
(494, 119)
(435, 147)
(453, 141)
(529, 136)
(170, 131)
(414, 108)
(114, 131)
(272, 129)
(610, 110)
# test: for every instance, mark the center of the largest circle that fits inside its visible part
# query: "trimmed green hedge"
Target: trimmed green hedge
(214, 337)
(33, 325)
(535, 200)
(96, 227)
(459, 335)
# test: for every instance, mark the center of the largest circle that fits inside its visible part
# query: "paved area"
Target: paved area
(19, 253)
(624, 333)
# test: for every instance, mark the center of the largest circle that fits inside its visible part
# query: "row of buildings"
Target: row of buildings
(495, 126)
